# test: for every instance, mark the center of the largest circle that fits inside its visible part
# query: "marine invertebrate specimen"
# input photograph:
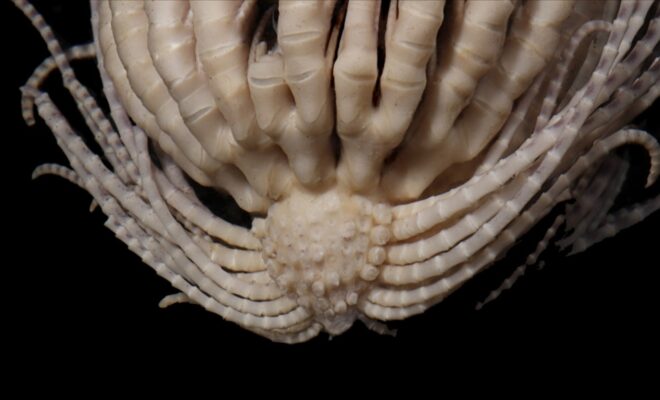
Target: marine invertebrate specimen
(387, 150)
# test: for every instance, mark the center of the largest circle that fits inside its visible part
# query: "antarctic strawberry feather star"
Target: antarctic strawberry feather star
(387, 151)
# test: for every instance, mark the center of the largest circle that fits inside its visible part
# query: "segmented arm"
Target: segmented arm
(372, 120)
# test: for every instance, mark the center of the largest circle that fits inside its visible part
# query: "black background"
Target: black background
(76, 292)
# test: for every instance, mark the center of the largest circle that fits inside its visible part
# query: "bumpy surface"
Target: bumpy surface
(387, 150)
(325, 249)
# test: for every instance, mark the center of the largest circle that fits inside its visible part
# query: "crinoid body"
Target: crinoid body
(385, 151)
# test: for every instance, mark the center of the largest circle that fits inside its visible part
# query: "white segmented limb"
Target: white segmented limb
(370, 132)
(58, 170)
(170, 42)
(303, 31)
(528, 49)
(198, 236)
(172, 299)
(530, 260)
(221, 32)
(470, 50)
(635, 22)
(270, 95)
(34, 82)
(75, 145)
(118, 114)
(251, 321)
(64, 173)
(127, 198)
(356, 69)
(427, 213)
(562, 71)
(355, 75)
(584, 57)
(437, 209)
(638, 137)
(191, 250)
(117, 111)
(129, 26)
(96, 121)
(234, 260)
(290, 87)
(410, 43)
(259, 277)
(438, 265)
(407, 220)
(203, 218)
(516, 129)
(176, 177)
(172, 45)
(397, 304)
(159, 112)
(445, 262)
(134, 107)
(576, 35)
(449, 236)
(261, 305)
(117, 157)
(628, 66)
(627, 101)
(250, 312)
(184, 201)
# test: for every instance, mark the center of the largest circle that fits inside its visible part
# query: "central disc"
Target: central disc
(323, 250)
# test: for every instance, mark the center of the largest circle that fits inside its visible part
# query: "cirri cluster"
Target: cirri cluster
(386, 151)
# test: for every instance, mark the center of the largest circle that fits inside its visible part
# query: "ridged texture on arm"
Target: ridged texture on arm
(371, 124)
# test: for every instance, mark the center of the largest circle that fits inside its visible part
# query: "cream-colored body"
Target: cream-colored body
(388, 152)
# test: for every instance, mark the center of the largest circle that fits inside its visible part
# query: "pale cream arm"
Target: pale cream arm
(290, 86)
(124, 42)
(115, 70)
(171, 42)
(471, 47)
(171, 46)
(221, 37)
(528, 49)
(373, 120)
